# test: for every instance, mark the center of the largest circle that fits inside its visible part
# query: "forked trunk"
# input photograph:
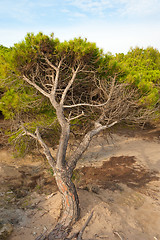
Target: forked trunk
(70, 205)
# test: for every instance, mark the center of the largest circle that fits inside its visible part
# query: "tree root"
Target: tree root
(60, 232)
(78, 235)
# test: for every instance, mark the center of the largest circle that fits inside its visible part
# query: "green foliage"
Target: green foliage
(142, 67)
(26, 53)
(4, 67)
(139, 67)
(20, 100)
(80, 49)
(21, 147)
(4, 54)
(29, 55)
(15, 95)
(51, 171)
(76, 176)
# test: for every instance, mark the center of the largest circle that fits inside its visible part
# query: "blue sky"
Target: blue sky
(115, 25)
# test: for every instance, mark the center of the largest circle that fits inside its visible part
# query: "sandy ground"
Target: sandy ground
(118, 181)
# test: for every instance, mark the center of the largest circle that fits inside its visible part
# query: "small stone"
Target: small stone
(5, 231)
(44, 229)
(95, 189)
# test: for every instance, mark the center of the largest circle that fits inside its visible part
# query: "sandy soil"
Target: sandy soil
(117, 179)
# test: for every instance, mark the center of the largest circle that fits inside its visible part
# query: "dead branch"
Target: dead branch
(25, 132)
(55, 82)
(46, 150)
(50, 64)
(85, 143)
(116, 233)
(85, 104)
(36, 86)
(78, 116)
(84, 227)
(69, 84)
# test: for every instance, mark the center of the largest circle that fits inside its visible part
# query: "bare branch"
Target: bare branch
(78, 116)
(95, 105)
(38, 137)
(45, 149)
(84, 227)
(55, 82)
(50, 64)
(28, 133)
(85, 143)
(116, 233)
(85, 104)
(112, 88)
(69, 84)
(36, 86)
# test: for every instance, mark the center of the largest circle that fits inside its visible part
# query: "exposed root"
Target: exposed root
(41, 237)
(78, 235)
(60, 232)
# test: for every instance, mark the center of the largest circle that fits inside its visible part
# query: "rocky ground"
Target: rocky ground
(117, 179)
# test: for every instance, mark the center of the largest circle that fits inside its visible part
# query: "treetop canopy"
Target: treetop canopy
(139, 67)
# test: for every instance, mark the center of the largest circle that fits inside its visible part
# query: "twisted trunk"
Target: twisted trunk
(70, 205)
(70, 201)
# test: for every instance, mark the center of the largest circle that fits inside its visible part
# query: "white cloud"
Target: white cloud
(72, 14)
(93, 6)
(64, 10)
(78, 14)
(124, 7)
(25, 11)
(19, 10)
(140, 7)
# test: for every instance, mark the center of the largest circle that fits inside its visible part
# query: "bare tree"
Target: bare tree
(70, 80)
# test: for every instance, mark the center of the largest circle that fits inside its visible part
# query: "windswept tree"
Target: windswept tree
(79, 82)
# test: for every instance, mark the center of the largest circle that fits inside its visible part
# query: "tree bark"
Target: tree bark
(70, 205)
(69, 196)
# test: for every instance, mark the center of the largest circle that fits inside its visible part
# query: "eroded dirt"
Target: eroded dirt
(19, 181)
(123, 190)
(122, 169)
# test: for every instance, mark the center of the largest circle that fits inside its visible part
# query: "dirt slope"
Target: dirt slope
(118, 181)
